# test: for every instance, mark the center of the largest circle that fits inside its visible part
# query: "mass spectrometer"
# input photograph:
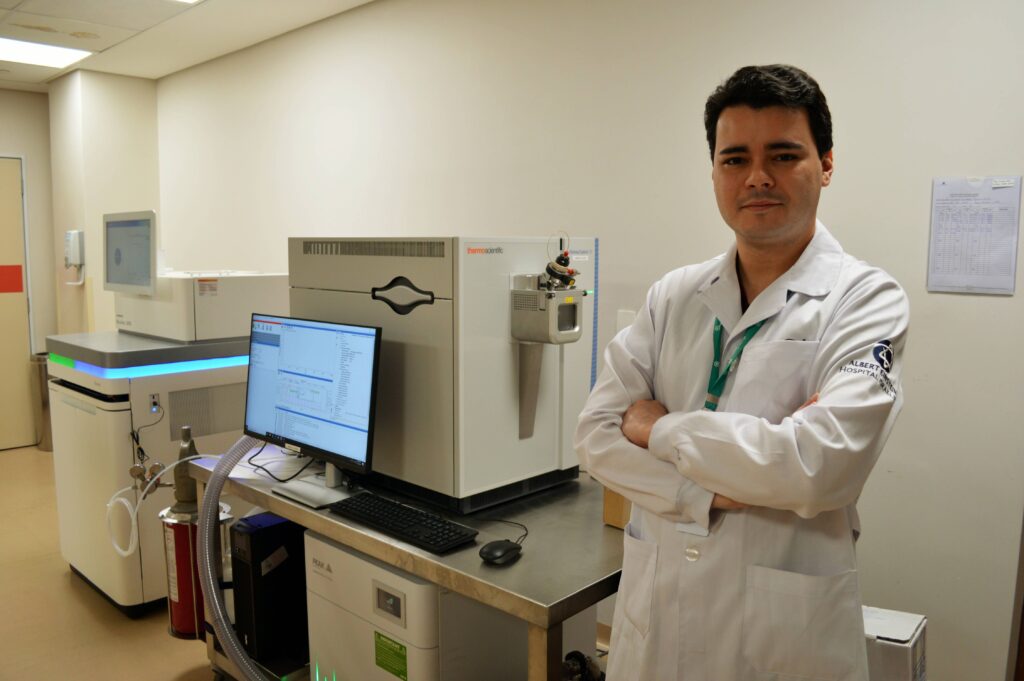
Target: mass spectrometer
(488, 354)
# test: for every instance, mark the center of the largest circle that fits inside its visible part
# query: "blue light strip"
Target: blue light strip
(161, 369)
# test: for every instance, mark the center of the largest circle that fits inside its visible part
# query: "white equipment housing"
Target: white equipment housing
(99, 393)
(448, 427)
(369, 621)
(200, 306)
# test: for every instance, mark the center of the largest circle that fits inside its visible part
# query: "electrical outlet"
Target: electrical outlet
(154, 402)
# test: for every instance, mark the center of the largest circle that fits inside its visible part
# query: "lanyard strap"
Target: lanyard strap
(719, 374)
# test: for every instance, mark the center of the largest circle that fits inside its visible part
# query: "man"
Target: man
(742, 412)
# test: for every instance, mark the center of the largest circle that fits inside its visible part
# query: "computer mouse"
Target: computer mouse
(500, 552)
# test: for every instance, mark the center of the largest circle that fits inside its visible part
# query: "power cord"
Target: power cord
(140, 454)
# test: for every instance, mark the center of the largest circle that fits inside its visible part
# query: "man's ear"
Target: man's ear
(827, 166)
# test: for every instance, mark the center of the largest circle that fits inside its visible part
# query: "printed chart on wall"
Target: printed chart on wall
(974, 234)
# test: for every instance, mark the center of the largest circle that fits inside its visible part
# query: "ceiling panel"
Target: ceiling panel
(25, 73)
(149, 38)
(212, 29)
(80, 35)
(133, 14)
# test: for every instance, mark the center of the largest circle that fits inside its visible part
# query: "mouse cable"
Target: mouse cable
(266, 470)
(526, 530)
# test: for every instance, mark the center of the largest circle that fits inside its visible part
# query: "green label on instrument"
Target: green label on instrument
(391, 656)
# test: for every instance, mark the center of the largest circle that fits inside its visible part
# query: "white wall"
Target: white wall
(25, 132)
(104, 139)
(468, 117)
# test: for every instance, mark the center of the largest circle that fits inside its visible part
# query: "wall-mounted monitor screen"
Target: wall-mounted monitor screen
(129, 252)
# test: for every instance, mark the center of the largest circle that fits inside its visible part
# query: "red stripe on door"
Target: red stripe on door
(10, 279)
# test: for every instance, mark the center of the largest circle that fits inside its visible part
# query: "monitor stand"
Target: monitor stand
(314, 491)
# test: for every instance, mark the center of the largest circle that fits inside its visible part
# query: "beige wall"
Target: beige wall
(68, 195)
(103, 131)
(24, 132)
(468, 117)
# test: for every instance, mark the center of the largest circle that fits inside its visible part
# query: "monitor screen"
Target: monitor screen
(129, 252)
(312, 388)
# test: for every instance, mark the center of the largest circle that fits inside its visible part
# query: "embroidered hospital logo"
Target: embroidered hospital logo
(878, 370)
(883, 355)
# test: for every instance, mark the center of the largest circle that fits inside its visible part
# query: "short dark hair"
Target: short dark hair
(776, 85)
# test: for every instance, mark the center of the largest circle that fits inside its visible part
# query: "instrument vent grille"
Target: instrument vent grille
(525, 301)
(216, 409)
(392, 249)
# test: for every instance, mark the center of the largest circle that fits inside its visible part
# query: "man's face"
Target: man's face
(767, 174)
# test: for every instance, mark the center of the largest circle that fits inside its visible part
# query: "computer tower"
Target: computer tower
(268, 571)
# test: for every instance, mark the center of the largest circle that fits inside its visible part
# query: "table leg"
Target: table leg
(544, 648)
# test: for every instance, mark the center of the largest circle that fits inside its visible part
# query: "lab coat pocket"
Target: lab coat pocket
(639, 560)
(772, 379)
(803, 626)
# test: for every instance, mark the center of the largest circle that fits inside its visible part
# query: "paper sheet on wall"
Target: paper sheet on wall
(974, 233)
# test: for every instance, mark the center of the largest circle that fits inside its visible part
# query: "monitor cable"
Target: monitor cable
(260, 467)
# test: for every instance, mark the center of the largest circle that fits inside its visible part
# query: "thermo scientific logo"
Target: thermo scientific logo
(497, 250)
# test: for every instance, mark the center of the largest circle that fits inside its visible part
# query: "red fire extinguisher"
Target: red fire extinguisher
(181, 528)
(184, 597)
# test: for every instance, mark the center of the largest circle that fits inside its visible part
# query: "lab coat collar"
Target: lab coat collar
(813, 274)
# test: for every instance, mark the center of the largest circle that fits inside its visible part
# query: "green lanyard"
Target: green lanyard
(719, 374)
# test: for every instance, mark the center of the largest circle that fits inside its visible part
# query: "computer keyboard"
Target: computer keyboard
(420, 528)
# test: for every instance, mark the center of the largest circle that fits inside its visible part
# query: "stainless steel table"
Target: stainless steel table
(570, 560)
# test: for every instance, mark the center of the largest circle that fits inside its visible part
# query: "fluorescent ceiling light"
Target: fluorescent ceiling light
(38, 54)
(189, 2)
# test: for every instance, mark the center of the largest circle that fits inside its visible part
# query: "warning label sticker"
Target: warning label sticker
(391, 656)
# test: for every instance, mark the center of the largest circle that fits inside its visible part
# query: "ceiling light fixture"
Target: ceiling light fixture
(38, 54)
(189, 2)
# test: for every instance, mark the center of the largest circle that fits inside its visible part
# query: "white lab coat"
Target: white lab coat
(770, 593)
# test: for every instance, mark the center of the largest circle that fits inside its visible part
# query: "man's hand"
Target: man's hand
(726, 504)
(639, 419)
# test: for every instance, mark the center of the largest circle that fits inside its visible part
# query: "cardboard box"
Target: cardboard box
(896, 645)
(616, 509)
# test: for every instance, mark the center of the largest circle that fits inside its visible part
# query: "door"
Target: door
(16, 426)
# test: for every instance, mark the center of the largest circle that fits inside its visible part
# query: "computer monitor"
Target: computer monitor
(312, 389)
(129, 252)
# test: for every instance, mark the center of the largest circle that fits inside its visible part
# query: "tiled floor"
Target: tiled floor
(52, 624)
